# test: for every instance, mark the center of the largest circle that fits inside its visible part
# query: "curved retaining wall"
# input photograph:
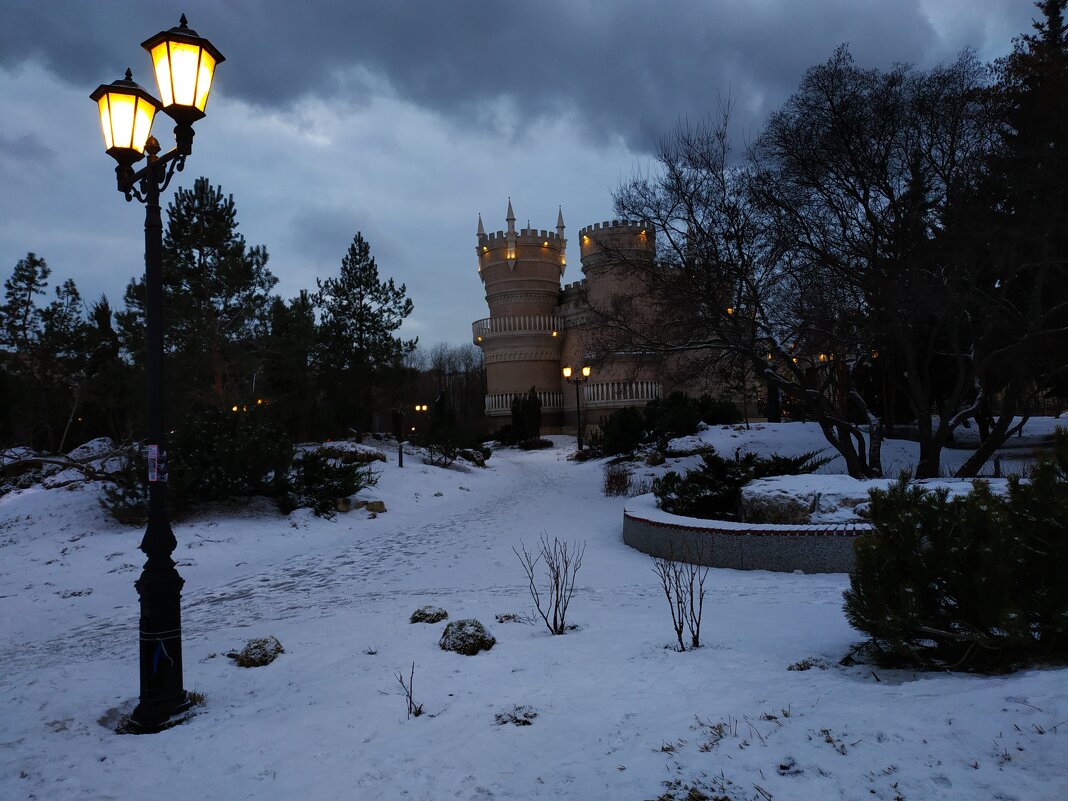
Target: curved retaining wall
(742, 546)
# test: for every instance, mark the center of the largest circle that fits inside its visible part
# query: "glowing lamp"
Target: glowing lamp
(567, 372)
(185, 65)
(126, 114)
(585, 372)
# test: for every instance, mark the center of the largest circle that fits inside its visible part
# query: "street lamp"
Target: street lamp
(184, 64)
(577, 380)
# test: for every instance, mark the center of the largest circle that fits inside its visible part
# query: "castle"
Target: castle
(536, 326)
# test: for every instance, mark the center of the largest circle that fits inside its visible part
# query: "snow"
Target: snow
(618, 714)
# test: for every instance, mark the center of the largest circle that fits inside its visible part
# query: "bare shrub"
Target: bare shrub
(638, 487)
(683, 583)
(414, 709)
(562, 561)
(616, 480)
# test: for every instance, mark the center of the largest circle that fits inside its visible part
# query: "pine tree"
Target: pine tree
(20, 319)
(216, 298)
(358, 349)
(287, 379)
(1029, 181)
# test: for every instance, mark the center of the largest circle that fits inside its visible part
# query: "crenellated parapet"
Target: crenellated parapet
(533, 250)
(618, 241)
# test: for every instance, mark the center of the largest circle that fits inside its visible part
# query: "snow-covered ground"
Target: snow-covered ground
(619, 714)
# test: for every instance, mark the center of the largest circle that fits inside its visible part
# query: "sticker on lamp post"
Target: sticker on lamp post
(157, 465)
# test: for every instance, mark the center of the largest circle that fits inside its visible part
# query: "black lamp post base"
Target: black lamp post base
(150, 719)
(162, 692)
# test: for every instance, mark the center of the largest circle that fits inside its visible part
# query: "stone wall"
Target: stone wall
(741, 546)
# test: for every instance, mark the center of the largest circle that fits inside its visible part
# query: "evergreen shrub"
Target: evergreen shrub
(623, 431)
(714, 490)
(216, 454)
(537, 443)
(718, 411)
(316, 482)
(969, 583)
(677, 415)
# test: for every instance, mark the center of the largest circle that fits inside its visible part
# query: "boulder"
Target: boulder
(258, 652)
(474, 457)
(377, 507)
(428, 614)
(466, 637)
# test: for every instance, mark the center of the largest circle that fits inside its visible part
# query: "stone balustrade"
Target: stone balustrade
(500, 404)
(620, 393)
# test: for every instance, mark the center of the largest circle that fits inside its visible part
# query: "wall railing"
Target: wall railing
(516, 324)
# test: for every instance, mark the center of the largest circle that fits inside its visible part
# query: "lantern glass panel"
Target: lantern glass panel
(204, 75)
(105, 122)
(162, 67)
(142, 124)
(185, 67)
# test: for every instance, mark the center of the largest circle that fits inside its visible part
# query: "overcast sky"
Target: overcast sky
(404, 119)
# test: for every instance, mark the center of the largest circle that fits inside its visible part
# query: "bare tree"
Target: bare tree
(822, 260)
(683, 583)
(562, 561)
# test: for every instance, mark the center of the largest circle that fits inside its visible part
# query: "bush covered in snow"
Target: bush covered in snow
(973, 582)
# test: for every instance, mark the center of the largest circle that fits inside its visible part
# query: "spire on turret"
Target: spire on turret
(511, 235)
(560, 222)
(481, 229)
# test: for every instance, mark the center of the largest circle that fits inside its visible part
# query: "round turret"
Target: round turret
(617, 257)
(521, 338)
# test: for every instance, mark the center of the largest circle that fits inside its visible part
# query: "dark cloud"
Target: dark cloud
(24, 148)
(624, 68)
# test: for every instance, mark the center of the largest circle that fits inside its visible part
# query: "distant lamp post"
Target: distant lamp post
(185, 65)
(420, 408)
(578, 380)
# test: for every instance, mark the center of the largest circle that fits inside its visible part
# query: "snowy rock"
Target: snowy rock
(348, 452)
(518, 715)
(815, 498)
(93, 449)
(780, 509)
(428, 614)
(466, 637)
(474, 457)
(258, 652)
(375, 506)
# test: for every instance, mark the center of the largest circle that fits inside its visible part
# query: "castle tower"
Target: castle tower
(617, 262)
(521, 339)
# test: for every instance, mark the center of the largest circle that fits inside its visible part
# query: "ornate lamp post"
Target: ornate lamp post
(184, 64)
(578, 380)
